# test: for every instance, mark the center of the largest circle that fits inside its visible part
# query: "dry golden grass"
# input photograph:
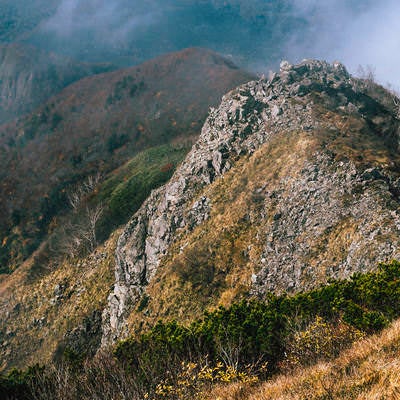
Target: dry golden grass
(35, 321)
(212, 265)
(369, 370)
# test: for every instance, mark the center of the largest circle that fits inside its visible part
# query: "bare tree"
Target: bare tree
(367, 74)
(88, 231)
(67, 242)
(78, 196)
(80, 236)
(395, 99)
(396, 103)
(229, 349)
(101, 378)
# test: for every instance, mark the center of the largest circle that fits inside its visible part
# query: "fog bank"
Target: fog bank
(255, 33)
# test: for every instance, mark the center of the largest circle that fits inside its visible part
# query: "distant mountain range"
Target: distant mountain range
(94, 126)
(127, 34)
(29, 76)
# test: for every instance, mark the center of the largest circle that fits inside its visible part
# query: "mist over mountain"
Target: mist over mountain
(134, 31)
(353, 32)
(20, 17)
(171, 210)
(255, 33)
(29, 76)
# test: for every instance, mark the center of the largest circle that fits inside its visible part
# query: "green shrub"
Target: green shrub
(246, 333)
(366, 301)
(125, 192)
(256, 332)
(17, 384)
(248, 340)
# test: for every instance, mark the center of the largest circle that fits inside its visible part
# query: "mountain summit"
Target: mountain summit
(293, 180)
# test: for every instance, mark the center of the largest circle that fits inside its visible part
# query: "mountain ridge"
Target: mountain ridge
(30, 76)
(97, 124)
(327, 205)
(293, 180)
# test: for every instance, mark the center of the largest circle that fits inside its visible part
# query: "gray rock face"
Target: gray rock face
(311, 205)
(329, 212)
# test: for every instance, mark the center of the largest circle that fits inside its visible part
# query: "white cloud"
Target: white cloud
(356, 33)
(110, 19)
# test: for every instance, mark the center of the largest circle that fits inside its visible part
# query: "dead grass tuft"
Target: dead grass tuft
(35, 316)
(369, 370)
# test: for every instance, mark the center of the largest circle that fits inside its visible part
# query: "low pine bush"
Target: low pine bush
(244, 343)
(261, 332)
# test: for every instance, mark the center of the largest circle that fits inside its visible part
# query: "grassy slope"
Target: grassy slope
(127, 187)
(370, 369)
(97, 124)
(34, 322)
(225, 250)
(27, 294)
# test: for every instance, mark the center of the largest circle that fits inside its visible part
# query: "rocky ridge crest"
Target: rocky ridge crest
(333, 201)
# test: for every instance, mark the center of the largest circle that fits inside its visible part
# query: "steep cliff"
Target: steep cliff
(293, 180)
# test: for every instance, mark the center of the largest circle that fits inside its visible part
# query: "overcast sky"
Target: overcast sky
(255, 33)
(356, 33)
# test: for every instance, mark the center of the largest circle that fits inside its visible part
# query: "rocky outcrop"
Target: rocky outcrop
(337, 213)
(329, 222)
